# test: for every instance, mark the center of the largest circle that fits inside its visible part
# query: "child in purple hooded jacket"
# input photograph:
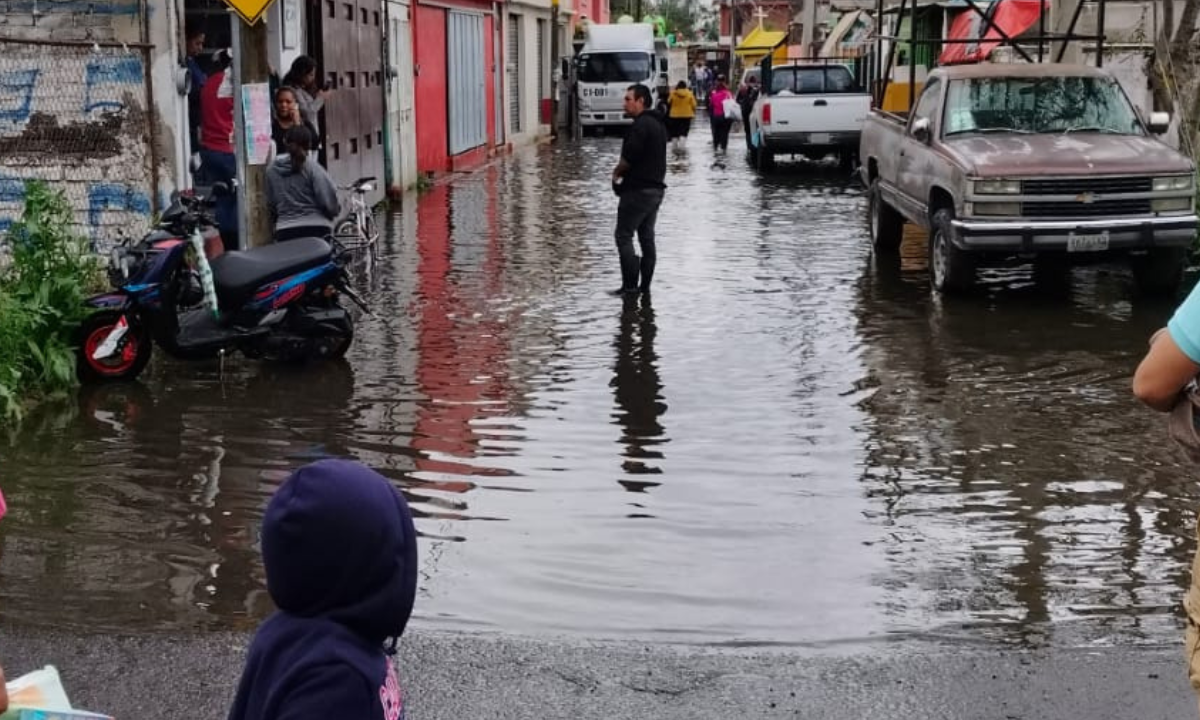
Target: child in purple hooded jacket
(340, 552)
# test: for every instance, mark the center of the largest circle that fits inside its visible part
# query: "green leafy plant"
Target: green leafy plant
(41, 299)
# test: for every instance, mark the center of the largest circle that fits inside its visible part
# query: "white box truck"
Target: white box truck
(612, 58)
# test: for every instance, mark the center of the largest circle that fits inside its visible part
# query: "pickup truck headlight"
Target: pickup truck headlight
(1166, 205)
(1178, 182)
(997, 187)
(991, 209)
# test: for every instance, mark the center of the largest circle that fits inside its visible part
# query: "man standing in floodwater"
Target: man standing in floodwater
(638, 180)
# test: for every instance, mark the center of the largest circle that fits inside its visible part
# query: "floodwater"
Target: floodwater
(788, 444)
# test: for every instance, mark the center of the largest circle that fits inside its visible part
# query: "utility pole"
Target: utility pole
(250, 67)
(555, 69)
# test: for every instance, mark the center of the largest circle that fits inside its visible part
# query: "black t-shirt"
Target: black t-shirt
(645, 149)
(277, 133)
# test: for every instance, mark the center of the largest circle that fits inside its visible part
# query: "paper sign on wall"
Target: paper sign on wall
(256, 109)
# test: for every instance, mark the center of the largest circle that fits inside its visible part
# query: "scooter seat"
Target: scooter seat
(237, 275)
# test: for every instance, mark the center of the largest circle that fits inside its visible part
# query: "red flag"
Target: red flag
(1012, 16)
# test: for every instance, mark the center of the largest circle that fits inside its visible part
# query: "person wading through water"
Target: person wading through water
(638, 180)
(683, 109)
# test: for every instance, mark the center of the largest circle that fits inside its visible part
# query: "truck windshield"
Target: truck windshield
(811, 80)
(1039, 105)
(614, 67)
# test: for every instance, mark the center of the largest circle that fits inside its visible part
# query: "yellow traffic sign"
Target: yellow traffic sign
(249, 10)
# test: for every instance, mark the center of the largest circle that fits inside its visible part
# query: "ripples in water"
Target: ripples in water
(789, 443)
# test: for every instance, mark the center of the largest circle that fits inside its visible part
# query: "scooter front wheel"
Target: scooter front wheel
(125, 362)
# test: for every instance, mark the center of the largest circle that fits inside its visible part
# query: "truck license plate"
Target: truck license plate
(819, 138)
(1097, 242)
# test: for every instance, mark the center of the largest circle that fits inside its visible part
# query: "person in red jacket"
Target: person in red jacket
(218, 162)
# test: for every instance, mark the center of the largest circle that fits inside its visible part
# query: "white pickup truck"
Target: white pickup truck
(810, 110)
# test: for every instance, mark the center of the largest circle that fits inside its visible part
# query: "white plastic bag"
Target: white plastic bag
(732, 110)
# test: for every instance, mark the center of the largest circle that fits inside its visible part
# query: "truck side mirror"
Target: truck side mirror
(921, 130)
(1159, 123)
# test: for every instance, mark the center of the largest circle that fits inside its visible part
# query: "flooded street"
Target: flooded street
(788, 444)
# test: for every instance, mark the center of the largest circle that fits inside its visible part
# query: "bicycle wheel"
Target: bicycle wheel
(371, 230)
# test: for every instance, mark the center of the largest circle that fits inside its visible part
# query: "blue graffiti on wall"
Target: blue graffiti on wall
(12, 189)
(104, 78)
(113, 196)
(16, 94)
(102, 197)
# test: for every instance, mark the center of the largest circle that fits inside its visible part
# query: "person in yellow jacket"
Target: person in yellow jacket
(682, 105)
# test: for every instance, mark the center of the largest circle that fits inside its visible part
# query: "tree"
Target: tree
(682, 16)
(1181, 45)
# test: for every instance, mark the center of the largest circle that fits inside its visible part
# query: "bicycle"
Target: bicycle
(356, 229)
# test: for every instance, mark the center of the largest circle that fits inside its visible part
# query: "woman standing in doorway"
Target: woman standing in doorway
(310, 95)
(287, 116)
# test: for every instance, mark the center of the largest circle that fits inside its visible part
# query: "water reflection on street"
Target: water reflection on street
(789, 443)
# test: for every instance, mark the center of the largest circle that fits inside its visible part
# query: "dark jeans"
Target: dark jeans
(306, 231)
(637, 212)
(678, 127)
(222, 167)
(720, 129)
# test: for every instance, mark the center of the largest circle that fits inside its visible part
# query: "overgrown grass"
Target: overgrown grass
(41, 300)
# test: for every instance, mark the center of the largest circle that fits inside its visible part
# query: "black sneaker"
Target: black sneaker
(623, 291)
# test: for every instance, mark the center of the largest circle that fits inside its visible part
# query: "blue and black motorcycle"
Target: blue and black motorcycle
(172, 289)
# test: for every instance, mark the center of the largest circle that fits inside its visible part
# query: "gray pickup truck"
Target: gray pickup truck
(1049, 162)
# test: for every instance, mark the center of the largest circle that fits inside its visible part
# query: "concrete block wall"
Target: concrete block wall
(97, 20)
(77, 118)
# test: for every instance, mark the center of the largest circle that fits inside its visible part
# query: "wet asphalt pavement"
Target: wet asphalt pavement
(790, 470)
(456, 676)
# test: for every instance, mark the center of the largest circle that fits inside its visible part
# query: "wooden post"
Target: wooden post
(250, 66)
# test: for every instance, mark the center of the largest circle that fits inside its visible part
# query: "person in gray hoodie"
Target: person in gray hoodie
(301, 198)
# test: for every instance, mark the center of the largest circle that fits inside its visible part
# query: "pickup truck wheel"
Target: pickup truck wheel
(1159, 272)
(887, 225)
(765, 159)
(846, 160)
(950, 269)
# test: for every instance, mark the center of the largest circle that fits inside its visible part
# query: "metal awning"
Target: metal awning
(760, 42)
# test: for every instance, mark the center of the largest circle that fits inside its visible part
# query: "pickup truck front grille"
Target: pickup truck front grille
(1076, 186)
(1100, 208)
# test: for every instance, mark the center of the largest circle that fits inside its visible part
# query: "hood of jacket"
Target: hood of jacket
(338, 543)
(283, 163)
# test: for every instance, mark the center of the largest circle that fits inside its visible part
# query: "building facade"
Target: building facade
(88, 102)
(94, 96)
